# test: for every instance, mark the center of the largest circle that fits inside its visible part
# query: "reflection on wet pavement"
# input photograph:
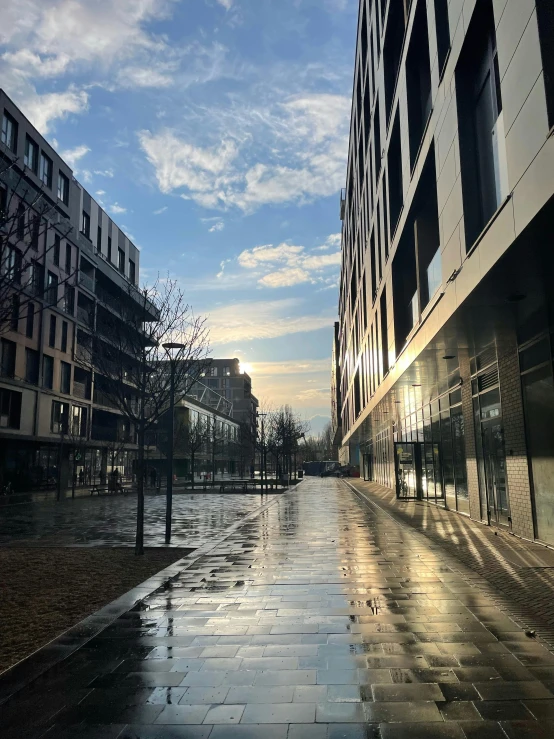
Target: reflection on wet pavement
(112, 521)
(319, 618)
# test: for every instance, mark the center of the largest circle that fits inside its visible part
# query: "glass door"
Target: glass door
(494, 457)
(408, 466)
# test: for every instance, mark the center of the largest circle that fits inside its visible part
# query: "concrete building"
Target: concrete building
(206, 436)
(226, 377)
(72, 271)
(446, 314)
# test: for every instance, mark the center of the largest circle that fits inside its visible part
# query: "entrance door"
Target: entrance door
(494, 457)
(368, 466)
(408, 470)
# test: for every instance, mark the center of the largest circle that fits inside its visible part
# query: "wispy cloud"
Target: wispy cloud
(302, 156)
(217, 226)
(104, 173)
(73, 156)
(116, 209)
(265, 319)
(160, 211)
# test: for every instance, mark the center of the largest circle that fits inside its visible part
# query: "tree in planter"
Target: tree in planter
(127, 353)
(30, 228)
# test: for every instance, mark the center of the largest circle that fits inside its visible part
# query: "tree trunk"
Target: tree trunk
(139, 542)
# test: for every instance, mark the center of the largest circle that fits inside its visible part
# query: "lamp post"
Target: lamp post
(262, 455)
(170, 347)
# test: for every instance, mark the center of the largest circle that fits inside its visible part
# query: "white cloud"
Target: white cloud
(72, 156)
(43, 110)
(104, 172)
(300, 154)
(117, 209)
(262, 320)
(218, 226)
(100, 193)
(160, 211)
(227, 4)
(288, 264)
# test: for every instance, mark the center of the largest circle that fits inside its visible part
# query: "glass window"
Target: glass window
(64, 337)
(7, 358)
(10, 409)
(59, 417)
(78, 421)
(460, 470)
(121, 261)
(65, 378)
(534, 355)
(63, 188)
(31, 366)
(30, 321)
(31, 154)
(68, 257)
(132, 273)
(52, 332)
(99, 238)
(52, 288)
(434, 274)
(47, 372)
(85, 225)
(45, 170)
(9, 132)
(56, 255)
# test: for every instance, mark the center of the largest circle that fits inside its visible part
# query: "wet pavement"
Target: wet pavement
(321, 617)
(110, 521)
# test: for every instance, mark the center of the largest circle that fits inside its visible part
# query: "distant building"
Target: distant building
(78, 268)
(226, 377)
(446, 308)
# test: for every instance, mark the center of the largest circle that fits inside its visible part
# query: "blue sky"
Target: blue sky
(215, 132)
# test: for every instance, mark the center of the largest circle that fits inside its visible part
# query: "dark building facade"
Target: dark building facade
(446, 310)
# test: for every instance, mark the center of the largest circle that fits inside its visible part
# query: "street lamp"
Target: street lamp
(262, 456)
(169, 348)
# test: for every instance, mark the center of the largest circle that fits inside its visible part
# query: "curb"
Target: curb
(30, 668)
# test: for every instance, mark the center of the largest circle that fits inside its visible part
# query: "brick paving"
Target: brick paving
(518, 574)
(320, 618)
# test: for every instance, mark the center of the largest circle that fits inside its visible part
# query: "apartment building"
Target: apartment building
(446, 314)
(206, 438)
(70, 267)
(226, 377)
(336, 404)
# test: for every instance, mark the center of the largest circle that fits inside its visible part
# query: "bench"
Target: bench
(109, 490)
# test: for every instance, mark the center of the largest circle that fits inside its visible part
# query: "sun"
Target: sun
(247, 368)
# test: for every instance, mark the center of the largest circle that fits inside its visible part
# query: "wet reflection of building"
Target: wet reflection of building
(446, 317)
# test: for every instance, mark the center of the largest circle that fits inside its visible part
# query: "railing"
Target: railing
(81, 390)
(104, 399)
(110, 300)
(86, 281)
(85, 317)
(111, 433)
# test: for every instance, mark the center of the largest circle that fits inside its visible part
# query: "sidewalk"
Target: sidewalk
(521, 570)
(319, 618)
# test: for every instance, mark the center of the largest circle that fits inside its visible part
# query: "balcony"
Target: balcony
(108, 299)
(86, 281)
(85, 317)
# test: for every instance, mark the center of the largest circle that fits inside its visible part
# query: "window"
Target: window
(10, 409)
(418, 82)
(482, 141)
(392, 51)
(47, 372)
(52, 288)
(85, 225)
(9, 132)
(56, 255)
(36, 278)
(443, 32)
(63, 188)
(35, 231)
(384, 332)
(21, 221)
(11, 264)
(99, 239)
(31, 366)
(396, 193)
(31, 154)
(545, 20)
(226, 371)
(30, 321)
(7, 360)
(211, 372)
(45, 170)
(121, 261)
(65, 378)
(52, 332)
(64, 337)
(69, 300)
(132, 273)
(109, 248)
(78, 421)
(3, 201)
(68, 257)
(59, 417)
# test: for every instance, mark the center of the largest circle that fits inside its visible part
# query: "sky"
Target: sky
(215, 133)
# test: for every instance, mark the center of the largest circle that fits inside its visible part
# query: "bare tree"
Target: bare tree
(190, 438)
(284, 430)
(27, 218)
(127, 354)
